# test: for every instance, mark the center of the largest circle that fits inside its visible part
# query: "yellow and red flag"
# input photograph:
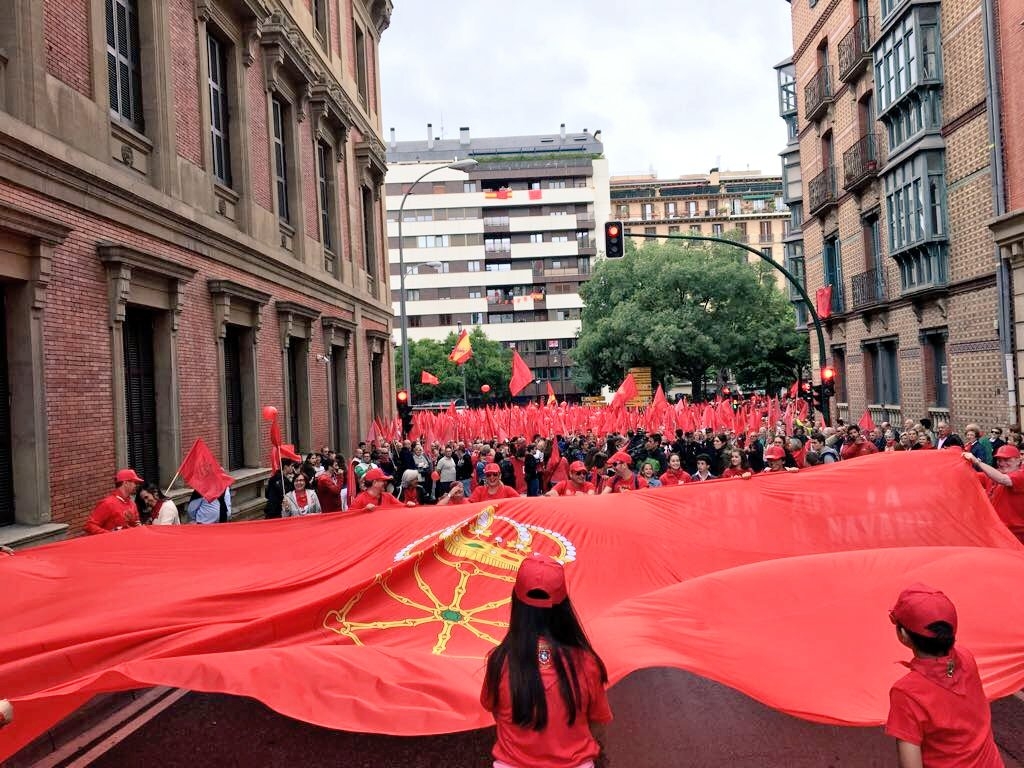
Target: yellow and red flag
(462, 350)
(552, 400)
(365, 617)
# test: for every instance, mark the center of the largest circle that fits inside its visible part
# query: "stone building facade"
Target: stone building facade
(191, 228)
(890, 119)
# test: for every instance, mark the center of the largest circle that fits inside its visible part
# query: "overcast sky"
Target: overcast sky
(676, 86)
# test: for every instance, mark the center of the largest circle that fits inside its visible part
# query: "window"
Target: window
(559, 238)
(915, 209)
(472, 266)
(936, 369)
(475, 293)
(908, 61)
(501, 317)
(716, 230)
(444, 293)
(412, 294)
(567, 314)
(360, 51)
(881, 372)
(691, 208)
(766, 231)
(470, 186)
(476, 318)
(444, 319)
(124, 71)
(140, 391)
(556, 184)
(540, 347)
(648, 211)
(767, 253)
(759, 204)
(320, 18)
(670, 210)
(415, 321)
(235, 415)
(695, 229)
(219, 116)
(583, 265)
(369, 231)
(280, 111)
(623, 210)
(325, 185)
(434, 241)
(839, 364)
(650, 230)
(412, 269)
(832, 262)
(497, 244)
(498, 267)
(673, 230)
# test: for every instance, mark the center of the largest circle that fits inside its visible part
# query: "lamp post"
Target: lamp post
(457, 165)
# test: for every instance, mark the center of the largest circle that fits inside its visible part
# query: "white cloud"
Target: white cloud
(674, 85)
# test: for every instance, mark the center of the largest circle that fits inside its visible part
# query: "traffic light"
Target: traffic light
(828, 381)
(404, 411)
(614, 245)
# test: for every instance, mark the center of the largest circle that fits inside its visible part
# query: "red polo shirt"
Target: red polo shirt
(559, 745)
(364, 498)
(947, 716)
(675, 477)
(635, 483)
(483, 493)
(112, 512)
(328, 491)
(569, 488)
(1009, 502)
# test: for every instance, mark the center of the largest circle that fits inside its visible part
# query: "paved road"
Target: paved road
(663, 718)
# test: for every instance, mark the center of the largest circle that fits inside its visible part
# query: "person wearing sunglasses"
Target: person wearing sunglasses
(576, 484)
(623, 478)
(493, 489)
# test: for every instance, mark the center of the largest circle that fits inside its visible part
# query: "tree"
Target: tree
(682, 310)
(491, 364)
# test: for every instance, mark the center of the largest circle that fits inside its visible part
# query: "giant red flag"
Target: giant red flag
(463, 349)
(364, 618)
(202, 473)
(521, 374)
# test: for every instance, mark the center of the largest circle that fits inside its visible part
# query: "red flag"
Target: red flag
(462, 350)
(627, 391)
(535, 194)
(428, 378)
(343, 608)
(275, 432)
(659, 399)
(286, 451)
(521, 374)
(866, 423)
(201, 472)
(552, 400)
(823, 299)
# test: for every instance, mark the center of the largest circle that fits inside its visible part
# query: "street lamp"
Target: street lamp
(456, 165)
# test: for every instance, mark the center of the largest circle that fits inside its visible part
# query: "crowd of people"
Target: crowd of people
(411, 473)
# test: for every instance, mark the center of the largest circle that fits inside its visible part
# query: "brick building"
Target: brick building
(1005, 36)
(745, 205)
(191, 227)
(890, 131)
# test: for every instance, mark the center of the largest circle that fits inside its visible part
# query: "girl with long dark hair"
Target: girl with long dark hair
(545, 684)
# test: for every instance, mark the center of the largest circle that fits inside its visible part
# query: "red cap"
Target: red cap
(622, 456)
(540, 582)
(127, 476)
(492, 469)
(375, 474)
(774, 453)
(1007, 452)
(918, 606)
(577, 466)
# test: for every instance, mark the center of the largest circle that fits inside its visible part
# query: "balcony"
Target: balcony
(821, 191)
(818, 93)
(861, 162)
(494, 224)
(869, 288)
(855, 49)
(584, 220)
(587, 249)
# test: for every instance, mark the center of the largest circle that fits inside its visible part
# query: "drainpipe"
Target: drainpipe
(1003, 281)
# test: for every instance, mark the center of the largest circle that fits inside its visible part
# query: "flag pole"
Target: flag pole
(178, 471)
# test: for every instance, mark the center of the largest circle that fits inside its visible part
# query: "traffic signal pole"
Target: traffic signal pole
(825, 410)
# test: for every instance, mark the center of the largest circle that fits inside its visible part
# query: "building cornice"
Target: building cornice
(30, 225)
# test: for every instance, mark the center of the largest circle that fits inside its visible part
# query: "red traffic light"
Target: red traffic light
(613, 230)
(828, 373)
(402, 396)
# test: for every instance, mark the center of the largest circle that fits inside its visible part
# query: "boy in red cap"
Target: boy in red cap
(117, 510)
(493, 489)
(775, 458)
(545, 684)
(1005, 486)
(375, 496)
(576, 484)
(938, 711)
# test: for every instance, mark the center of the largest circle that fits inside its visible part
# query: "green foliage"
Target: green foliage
(491, 364)
(683, 310)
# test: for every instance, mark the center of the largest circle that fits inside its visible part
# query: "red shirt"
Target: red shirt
(519, 472)
(569, 488)
(1009, 502)
(328, 491)
(112, 512)
(853, 450)
(622, 486)
(948, 717)
(364, 498)
(675, 477)
(734, 472)
(483, 493)
(559, 745)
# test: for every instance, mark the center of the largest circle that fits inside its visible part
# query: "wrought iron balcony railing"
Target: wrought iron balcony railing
(861, 162)
(821, 191)
(855, 48)
(869, 288)
(818, 93)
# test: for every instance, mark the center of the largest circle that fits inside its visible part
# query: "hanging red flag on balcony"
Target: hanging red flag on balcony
(823, 299)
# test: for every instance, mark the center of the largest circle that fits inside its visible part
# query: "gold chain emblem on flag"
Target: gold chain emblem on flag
(458, 578)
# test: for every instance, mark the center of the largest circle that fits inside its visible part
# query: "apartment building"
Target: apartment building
(745, 205)
(887, 99)
(190, 229)
(504, 245)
